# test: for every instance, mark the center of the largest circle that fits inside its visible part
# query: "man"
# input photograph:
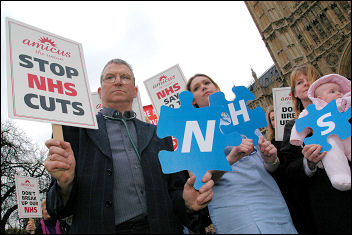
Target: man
(110, 179)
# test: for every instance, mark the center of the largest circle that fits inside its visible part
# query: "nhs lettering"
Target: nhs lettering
(236, 116)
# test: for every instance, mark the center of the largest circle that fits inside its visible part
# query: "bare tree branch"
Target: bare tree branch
(18, 157)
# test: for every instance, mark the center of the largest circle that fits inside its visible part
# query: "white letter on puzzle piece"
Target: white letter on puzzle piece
(330, 124)
(235, 113)
(204, 145)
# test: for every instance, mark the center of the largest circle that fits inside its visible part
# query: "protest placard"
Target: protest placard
(149, 112)
(28, 198)
(47, 78)
(136, 105)
(165, 87)
(283, 110)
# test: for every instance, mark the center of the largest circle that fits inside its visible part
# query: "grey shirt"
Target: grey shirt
(129, 192)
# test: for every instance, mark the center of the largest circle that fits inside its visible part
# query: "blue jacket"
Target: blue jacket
(91, 199)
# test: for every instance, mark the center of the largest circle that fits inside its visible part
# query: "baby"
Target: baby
(326, 89)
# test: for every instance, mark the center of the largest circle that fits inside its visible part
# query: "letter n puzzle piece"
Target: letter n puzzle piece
(325, 122)
(242, 119)
(201, 144)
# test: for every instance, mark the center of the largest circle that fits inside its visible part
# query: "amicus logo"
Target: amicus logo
(287, 97)
(44, 40)
(27, 182)
(46, 44)
(163, 79)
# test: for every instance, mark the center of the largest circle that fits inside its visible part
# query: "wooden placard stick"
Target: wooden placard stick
(57, 132)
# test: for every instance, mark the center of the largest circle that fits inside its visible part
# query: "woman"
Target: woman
(321, 208)
(270, 118)
(47, 225)
(280, 176)
(247, 199)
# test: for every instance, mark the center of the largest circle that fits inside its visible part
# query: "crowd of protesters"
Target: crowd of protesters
(109, 183)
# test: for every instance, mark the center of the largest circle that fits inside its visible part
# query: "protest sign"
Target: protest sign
(28, 199)
(153, 118)
(136, 105)
(283, 110)
(47, 78)
(165, 87)
(149, 112)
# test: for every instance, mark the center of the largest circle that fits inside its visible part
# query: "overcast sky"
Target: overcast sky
(219, 39)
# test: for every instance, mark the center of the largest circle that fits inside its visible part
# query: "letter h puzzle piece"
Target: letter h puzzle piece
(325, 122)
(199, 154)
(243, 120)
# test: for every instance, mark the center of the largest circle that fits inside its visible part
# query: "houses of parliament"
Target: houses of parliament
(298, 32)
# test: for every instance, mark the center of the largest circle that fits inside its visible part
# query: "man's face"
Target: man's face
(119, 92)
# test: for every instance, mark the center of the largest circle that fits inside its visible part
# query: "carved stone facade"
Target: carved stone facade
(262, 87)
(297, 32)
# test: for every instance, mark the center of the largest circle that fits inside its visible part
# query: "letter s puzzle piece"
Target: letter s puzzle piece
(203, 152)
(243, 120)
(325, 122)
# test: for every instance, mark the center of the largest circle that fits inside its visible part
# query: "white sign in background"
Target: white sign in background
(136, 105)
(283, 110)
(47, 79)
(28, 198)
(165, 87)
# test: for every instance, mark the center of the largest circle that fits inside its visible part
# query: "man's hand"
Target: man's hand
(238, 152)
(60, 163)
(196, 200)
(312, 153)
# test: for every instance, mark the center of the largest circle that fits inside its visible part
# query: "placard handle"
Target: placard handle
(57, 132)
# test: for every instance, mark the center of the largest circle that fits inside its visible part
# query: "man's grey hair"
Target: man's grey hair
(117, 61)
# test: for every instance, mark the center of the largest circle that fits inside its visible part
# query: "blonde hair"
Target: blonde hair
(270, 128)
(312, 74)
(43, 202)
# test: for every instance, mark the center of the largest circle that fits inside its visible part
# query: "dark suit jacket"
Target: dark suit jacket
(91, 200)
(315, 199)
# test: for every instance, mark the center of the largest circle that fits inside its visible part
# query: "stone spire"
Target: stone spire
(254, 75)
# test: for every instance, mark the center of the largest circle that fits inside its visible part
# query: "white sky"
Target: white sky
(218, 38)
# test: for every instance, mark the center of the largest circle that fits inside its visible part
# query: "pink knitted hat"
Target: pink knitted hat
(343, 82)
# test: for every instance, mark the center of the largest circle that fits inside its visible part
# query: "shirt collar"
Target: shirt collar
(113, 113)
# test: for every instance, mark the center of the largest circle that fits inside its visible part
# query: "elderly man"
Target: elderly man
(110, 179)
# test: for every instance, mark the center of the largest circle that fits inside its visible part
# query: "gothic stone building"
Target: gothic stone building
(297, 32)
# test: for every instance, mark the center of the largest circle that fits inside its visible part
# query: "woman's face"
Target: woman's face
(301, 87)
(272, 119)
(202, 88)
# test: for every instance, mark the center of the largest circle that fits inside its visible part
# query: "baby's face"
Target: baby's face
(328, 92)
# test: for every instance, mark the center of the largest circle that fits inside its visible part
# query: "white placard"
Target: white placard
(165, 87)
(28, 198)
(283, 110)
(47, 78)
(136, 105)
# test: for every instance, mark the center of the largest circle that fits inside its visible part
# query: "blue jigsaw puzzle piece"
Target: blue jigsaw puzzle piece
(201, 144)
(325, 122)
(240, 118)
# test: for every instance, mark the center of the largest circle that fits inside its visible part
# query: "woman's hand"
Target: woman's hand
(312, 153)
(267, 150)
(238, 152)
